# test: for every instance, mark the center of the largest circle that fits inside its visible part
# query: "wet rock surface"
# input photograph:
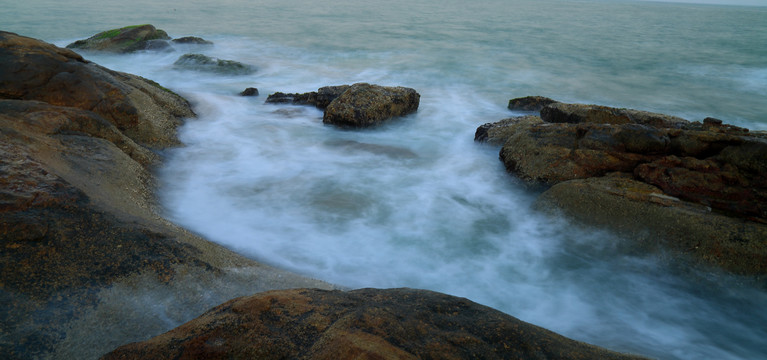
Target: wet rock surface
(717, 168)
(77, 214)
(365, 323)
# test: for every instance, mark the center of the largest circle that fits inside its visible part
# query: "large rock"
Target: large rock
(365, 105)
(141, 109)
(658, 222)
(712, 165)
(86, 263)
(124, 40)
(360, 324)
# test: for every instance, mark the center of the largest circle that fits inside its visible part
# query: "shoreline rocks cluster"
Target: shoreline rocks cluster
(698, 187)
(87, 264)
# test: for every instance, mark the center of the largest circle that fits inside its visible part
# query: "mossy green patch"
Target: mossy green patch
(114, 32)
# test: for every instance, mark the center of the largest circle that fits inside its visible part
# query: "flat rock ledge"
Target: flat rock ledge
(133, 38)
(356, 106)
(701, 187)
(359, 324)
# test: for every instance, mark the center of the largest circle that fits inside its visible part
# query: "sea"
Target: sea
(416, 202)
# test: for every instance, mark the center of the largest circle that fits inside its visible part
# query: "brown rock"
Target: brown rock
(498, 132)
(141, 109)
(365, 105)
(360, 324)
(579, 113)
(657, 222)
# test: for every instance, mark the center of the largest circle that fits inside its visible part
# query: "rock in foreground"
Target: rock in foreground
(360, 324)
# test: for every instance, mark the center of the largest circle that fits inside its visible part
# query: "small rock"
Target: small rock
(251, 91)
(206, 63)
(192, 40)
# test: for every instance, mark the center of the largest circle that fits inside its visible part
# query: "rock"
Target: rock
(86, 262)
(579, 113)
(364, 324)
(545, 153)
(192, 40)
(124, 40)
(658, 222)
(530, 103)
(251, 91)
(498, 132)
(141, 109)
(365, 105)
(711, 165)
(201, 62)
(320, 98)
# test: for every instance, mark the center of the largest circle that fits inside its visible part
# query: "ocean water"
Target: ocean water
(416, 203)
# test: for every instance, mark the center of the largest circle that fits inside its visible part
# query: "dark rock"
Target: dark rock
(192, 40)
(366, 324)
(251, 91)
(530, 103)
(123, 40)
(201, 62)
(365, 105)
(320, 98)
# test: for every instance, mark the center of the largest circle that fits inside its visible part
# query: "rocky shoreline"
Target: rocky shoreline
(696, 188)
(88, 264)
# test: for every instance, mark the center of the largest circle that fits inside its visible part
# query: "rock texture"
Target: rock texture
(206, 63)
(192, 40)
(81, 247)
(365, 105)
(124, 40)
(718, 169)
(530, 103)
(355, 106)
(360, 324)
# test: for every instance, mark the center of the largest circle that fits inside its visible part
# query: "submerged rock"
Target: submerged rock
(124, 40)
(707, 165)
(192, 40)
(251, 91)
(366, 323)
(202, 62)
(365, 105)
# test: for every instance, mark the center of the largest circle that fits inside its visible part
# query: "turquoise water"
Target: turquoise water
(417, 203)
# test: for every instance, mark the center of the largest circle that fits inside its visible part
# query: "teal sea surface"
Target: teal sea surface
(417, 203)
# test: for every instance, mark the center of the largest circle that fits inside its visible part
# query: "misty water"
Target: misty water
(417, 203)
